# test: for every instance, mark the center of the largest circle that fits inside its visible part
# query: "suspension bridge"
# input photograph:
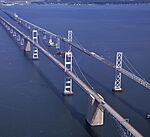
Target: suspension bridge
(97, 104)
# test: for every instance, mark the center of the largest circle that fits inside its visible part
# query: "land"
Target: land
(97, 1)
(74, 1)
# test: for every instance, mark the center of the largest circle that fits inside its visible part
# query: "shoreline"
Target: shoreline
(78, 4)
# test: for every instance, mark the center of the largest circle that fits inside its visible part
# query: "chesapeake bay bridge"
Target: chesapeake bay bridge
(39, 39)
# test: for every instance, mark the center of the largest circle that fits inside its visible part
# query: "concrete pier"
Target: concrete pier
(95, 115)
(27, 45)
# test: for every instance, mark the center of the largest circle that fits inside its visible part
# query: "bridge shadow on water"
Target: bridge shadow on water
(92, 131)
(112, 94)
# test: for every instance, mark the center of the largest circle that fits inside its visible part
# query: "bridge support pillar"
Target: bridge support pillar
(27, 46)
(58, 43)
(29, 27)
(117, 85)
(95, 115)
(18, 38)
(14, 34)
(35, 49)
(68, 66)
(22, 41)
(44, 37)
(68, 80)
(51, 43)
(11, 31)
(8, 28)
(69, 35)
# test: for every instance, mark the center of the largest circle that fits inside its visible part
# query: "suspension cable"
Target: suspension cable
(127, 66)
(77, 41)
(42, 42)
(82, 72)
(75, 72)
(133, 67)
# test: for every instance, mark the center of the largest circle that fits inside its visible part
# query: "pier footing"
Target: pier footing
(117, 89)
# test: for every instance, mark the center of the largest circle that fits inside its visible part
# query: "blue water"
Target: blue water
(31, 100)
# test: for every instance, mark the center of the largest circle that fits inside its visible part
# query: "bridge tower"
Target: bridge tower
(68, 67)
(117, 85)
(58, 43)
(35, 49)
(70, 36)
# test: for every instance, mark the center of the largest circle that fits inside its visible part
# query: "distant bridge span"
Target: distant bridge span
(100, 58)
